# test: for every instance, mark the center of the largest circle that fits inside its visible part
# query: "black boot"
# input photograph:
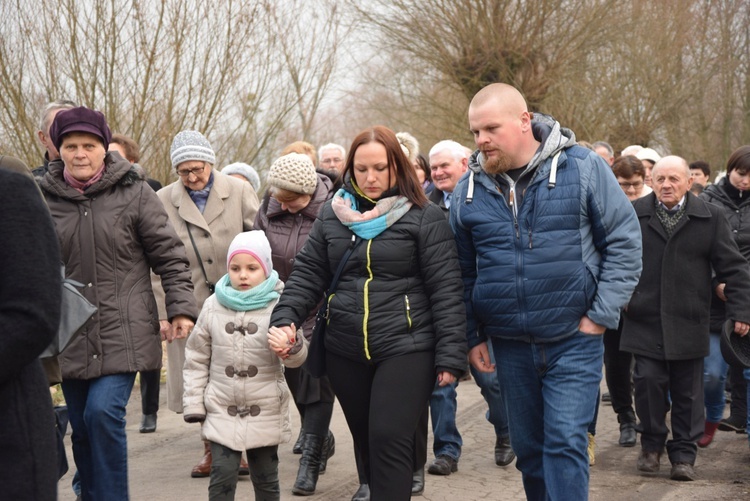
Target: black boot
(297, 448)
(309, 466)
(627, 428)
(329, 449)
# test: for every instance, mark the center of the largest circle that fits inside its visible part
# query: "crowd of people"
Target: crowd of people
(530, 265)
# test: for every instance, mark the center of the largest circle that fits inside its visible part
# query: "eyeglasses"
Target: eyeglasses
(194, 170)
(332, 161)
(627, 186)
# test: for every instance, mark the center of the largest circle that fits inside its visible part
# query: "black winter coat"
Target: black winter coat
(668, 315)
(399, 293)
(29, 316)
(738, 216)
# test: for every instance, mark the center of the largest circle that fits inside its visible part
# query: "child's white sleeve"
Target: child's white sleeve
(196, 370)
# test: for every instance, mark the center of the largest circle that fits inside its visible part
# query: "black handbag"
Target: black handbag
(75, 312)
(315, 363)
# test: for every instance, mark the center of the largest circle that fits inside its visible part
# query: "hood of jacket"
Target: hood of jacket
(548, 131)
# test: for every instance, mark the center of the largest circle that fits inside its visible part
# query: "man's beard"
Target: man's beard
(498, 164)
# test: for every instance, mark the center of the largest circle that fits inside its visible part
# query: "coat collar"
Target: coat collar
(189, 212)
(646, 208)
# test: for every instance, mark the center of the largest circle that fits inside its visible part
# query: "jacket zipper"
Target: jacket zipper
(408, 310)
(367, 302)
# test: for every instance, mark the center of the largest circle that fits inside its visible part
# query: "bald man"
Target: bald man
(550, 252)
(687, 247)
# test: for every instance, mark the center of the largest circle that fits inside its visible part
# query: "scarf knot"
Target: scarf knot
(369, 224)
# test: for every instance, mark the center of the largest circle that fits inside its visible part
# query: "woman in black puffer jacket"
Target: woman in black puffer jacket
(731, 193)
(396, 320)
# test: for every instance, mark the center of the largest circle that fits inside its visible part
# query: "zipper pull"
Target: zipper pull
(531, 245)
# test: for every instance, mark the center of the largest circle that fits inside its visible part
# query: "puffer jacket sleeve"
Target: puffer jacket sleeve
(197, 366)
(617, 238)
(309, 279)
(166, 256)
(249, 206)
(467, 259)
(731, 268)
(442, 280)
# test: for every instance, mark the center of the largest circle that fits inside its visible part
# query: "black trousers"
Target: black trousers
(150, 381)
(618, 366)
(382, 403)
(656, 381)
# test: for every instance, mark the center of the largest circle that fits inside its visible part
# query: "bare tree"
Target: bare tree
(153, 68)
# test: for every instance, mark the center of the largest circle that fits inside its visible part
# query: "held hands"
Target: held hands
(479, 357)
(282, 339)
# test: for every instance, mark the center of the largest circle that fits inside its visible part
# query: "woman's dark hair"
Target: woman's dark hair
(739, 160)
(628, 166)
(407, 183)
(424, 164)
(703, 166)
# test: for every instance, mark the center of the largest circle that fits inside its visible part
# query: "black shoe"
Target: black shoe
(297, 449)
(648, 461)
(329, 449)
(443, 465)
(309, 466)
(733, 423)
(417, 482)
(504, 455)
(148, 423)
(627, 435)
(606, 397)
(362, 494)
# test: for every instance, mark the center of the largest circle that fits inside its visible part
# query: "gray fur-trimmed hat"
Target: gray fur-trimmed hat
(191, 145)
(294, 172)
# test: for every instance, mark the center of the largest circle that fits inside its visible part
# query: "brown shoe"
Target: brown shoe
(648, 461)
(683, 472)
(244, 468)
(203, 468)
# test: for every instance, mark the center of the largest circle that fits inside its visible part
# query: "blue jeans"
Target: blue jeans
(550, 398)
(489, 385)
(447, 440)
(714, 376)
(96, 408)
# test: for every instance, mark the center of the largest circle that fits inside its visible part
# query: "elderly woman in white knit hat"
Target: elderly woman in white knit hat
(207, 209)
(245, 172)
(296, 193)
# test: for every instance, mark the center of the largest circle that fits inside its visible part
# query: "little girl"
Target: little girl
(234, 378)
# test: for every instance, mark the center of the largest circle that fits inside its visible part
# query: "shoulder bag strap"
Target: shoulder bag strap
(200, 260)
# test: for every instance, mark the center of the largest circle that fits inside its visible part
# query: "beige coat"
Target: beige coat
(241, 411)
(230, 210)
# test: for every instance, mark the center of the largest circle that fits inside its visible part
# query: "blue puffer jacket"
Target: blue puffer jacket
(572, 247)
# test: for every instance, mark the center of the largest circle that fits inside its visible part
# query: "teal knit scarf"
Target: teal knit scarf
(253, 299)
(370, 224)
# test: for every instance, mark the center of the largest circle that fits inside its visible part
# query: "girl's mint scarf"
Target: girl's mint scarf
(257, 297)
(372, 223)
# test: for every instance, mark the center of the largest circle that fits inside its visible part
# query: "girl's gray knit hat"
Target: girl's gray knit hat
(191, 145)
(294, 172)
